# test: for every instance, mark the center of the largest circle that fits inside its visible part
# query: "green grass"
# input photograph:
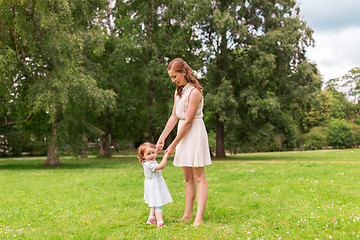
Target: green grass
(287, 195)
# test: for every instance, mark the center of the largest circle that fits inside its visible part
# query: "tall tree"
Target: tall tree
(149, 35)
(47, 38)
(257, 47)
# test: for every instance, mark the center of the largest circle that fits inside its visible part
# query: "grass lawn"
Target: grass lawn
(287, 195)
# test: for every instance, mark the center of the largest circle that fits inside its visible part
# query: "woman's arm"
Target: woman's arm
(168, 127)
(194, 101)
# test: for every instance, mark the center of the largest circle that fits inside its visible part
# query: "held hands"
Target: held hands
(163, 162)
(170, 150)
(166, 156)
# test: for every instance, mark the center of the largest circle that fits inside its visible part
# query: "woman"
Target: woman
(191, 143)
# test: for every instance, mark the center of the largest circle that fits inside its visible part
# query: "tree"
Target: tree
(320, 112)
(316, 138)
(149, 34)
(350, 85)
(258, 47)
(340, 134)
(45, 39)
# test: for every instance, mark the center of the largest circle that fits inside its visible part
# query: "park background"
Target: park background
(83, 83)
(79, 76)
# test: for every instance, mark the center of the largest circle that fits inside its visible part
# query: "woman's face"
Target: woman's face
(149, 154)
(177, 77)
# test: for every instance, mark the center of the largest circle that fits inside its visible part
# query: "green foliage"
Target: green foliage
(316, 138)
(212, 140)
(340, 134)
(346, 90)
(356, 133)
(90, 76)
(150, 35)
(320, 112)
(339, 103)
(46, 40)
(263, 59)
(221, 101)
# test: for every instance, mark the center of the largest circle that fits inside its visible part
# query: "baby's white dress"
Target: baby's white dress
(193, 150)
(156, 193)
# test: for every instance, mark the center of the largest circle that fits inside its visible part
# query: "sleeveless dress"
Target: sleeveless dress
(193, 150)
(156, 193)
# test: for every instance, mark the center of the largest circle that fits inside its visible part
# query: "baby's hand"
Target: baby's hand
(166, 155)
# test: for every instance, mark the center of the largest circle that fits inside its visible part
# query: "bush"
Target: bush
(356, 132)
(37, 148)
(340, 134)
(315, 138)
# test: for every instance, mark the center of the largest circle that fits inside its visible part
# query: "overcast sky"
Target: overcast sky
(336, 25)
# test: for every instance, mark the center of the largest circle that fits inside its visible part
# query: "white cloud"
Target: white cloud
(336, 52)
(330, 14)
(336, 26)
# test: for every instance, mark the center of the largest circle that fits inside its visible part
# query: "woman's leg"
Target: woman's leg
(190, 193)
(202, 194)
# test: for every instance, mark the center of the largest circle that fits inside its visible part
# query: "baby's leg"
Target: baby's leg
(158, 213)
(151, 219)
(152, 212)
(159, 218)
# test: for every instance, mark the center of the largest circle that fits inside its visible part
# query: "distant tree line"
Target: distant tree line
(333, 120)
(77, 72)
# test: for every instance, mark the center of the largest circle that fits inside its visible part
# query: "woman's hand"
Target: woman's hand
(170, 150)
(159, 145)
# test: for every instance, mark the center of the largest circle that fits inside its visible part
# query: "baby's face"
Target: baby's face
(149, 154)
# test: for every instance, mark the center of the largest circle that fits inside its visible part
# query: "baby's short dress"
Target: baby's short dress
(156, 193)
(193, 150)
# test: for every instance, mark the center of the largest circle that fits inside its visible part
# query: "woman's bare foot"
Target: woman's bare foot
(184, 219)
(197, 223)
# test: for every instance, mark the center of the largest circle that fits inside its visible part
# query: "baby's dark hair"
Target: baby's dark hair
(141, 150)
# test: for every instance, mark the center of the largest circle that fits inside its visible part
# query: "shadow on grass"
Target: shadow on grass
(71, 163)
(254, 157)
(66, 164)
(283, 156)
(118, 161)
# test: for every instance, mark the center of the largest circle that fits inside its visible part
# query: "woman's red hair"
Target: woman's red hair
(179, 65)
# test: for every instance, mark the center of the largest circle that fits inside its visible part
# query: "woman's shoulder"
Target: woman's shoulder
(195, 93)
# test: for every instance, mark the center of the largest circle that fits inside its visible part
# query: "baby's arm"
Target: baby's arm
(163, 162)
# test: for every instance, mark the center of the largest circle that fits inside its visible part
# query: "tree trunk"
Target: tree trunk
(347, 115)
(220, 145)
(356, 114)
(222, 67)
(102, 146)
(114, 144)
(107, 131)
(84, 149)
(52, 159)
(104, 140)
